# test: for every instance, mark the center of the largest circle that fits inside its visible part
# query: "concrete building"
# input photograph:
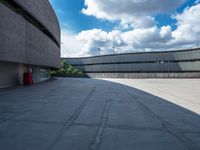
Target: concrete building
(29, 40)
(182, 63)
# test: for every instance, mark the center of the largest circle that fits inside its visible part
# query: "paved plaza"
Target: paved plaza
(97, 114)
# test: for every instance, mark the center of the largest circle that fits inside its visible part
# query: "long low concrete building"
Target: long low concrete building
(182, 63)
(29, 40)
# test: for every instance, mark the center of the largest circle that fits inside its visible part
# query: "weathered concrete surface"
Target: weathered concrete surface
(44, 13)
(92, 114)
(183, 92)
(116, 65)
(22, 42)
(145, 75)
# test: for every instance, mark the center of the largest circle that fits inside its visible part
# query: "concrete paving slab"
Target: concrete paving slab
(139, 140)
(6, 116)
(59, 113)
(76, 138)
(177, 91)
(131, 115)
(91, 114)
(96, 114)
(195, 137)
(12, 110)
(177, 116)
(18, 108)
(29, 136)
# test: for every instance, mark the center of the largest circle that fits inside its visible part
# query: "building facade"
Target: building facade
(29, 40)
(174, 64)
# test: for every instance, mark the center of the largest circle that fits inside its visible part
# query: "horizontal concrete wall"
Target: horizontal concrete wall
(22, 42)
(142, 67)
(138, 57)
(145, 75)
(43, 12)
(124, 65)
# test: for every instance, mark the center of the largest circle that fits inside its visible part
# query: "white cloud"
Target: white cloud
(143, 35)
(70, 46)
(166, 32)
(135, 12)
(188, 30)
(106, 8)
(96, 39)
(118, 41)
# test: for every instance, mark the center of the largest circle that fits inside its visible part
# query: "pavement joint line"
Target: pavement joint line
(71, 120)
(188, 131)
(121, 127)
(97, 140)
(133, 128)
(35, 121)
(86, 124)
(122, 102)
(80, 108)
(24, 113)
(17, 115)
(180, 131)
(180, 136)
(170, 128)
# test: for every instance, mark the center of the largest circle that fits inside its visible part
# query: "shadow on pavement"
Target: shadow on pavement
(92, 114)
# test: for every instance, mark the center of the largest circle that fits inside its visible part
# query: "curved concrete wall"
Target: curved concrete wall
(22, 40)
(43, 12)
(183, 61)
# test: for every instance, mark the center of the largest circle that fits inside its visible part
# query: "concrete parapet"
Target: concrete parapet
(144, 75)
(164, 64)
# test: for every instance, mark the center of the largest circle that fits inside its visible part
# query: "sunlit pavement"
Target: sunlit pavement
(96, 114)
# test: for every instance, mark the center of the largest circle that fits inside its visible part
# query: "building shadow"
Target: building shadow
(61, 113)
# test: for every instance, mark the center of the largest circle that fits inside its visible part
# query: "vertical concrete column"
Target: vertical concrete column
(20, 73)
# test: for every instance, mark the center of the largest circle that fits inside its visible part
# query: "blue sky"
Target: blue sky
(70, 16)
(93, 24)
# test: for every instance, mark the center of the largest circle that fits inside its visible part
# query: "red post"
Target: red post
(28, 79)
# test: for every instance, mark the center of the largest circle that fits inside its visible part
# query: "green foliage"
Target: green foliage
(66, 69)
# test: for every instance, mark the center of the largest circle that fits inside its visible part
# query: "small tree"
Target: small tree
(65, 69)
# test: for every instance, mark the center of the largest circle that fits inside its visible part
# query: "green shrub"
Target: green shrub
(66, 69)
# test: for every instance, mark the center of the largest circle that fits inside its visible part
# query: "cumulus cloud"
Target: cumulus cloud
(188, 30)
(143, 34)
(112, 8)
(118, 42)
(134, 12)
(70, 45)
